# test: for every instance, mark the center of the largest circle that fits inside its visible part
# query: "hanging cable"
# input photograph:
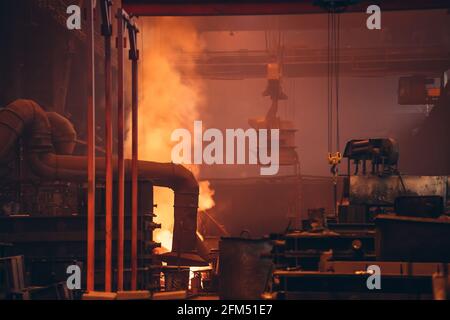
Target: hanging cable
(328, 82)
(337, 77)
(333, 51)
(334, 157)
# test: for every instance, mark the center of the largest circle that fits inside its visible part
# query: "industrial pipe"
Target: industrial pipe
(134, 175)
(106, 28)
(27, 116)
(63, 133)
(133, 55)
(90, 139)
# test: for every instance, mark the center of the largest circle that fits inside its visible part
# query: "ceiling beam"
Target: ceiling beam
(300, 62)
(252, 7)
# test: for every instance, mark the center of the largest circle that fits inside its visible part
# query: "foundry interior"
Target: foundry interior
(92, 205)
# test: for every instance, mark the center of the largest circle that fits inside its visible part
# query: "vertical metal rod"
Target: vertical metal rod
(91, 148)
(120, 153)
(109, 151)
(133, 55)
(134, 172)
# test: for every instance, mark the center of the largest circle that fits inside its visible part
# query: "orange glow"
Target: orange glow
(167, 102)
(434, 92)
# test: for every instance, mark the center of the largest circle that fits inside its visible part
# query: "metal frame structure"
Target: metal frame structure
(306, 62)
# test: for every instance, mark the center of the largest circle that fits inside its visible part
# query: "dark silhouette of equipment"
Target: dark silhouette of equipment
(383, 154)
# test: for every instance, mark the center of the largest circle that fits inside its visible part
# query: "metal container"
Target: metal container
(245, 266)
(176, 278)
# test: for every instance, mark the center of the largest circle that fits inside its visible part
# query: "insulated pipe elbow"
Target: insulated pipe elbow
(21, 115)
(186, 190)
(170, 175)
(63, 133)
(26, 115)
(13, 119)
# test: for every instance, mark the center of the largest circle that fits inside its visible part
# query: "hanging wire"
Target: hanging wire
(337, 62)
(333, 50)
(142, 55)
(328, 80)
(266, 40)
(295, 98)
(333, 75)
(329, 84)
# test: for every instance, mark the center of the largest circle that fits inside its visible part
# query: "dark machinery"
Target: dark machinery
(391, 221)
(382, 152)
(384, 189)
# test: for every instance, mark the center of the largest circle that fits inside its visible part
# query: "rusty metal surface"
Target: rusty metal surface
(243, 271)
(120, 149)
(108, 152)
(134, 162)
(91, 149)
(375, 190)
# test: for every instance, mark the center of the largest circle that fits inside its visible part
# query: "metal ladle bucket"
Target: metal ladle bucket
(244, 267)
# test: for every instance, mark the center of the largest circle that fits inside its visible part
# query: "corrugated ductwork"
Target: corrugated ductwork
(27, 116)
